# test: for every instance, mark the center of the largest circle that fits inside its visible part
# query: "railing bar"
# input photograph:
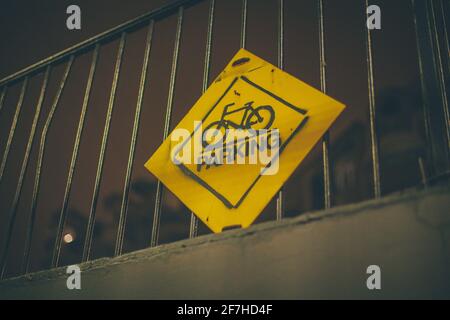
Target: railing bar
(423, 172)
(280, 45)
(101, 159)
(372, 114)
(193, 230)
(137, 116)
(209, 35)
(439, 70)
(73, 161)
(279, 208)
(323, 88)
(156, 215)
(37, 179)
(446, 40)
(103, 37)
(244, 23)
(280, 42)
(170, 96)
(23, 171)
(87, 94)
(2, 97)
(13, 127)
(193, 227)
(424, 91)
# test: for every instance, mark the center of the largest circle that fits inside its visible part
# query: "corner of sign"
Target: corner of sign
(147, 164)
(242, 62)
(241, 52)
(151, 167)
(339, 109)
(242, 57)
(337, 105)
(342, 106)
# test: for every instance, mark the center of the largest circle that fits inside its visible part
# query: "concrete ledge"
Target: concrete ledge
(317, 255)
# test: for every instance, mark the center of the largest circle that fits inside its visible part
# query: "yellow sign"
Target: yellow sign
(241, 141)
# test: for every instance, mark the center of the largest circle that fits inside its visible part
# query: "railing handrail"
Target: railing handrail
(105, 36)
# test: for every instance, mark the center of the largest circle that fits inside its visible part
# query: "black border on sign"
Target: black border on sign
(221, 197)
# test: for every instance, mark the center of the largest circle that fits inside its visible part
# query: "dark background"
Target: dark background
(32, 30)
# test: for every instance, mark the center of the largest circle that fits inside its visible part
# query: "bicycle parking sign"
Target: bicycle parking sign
(241, 141)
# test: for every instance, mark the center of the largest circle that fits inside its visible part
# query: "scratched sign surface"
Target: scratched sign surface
(263, 122)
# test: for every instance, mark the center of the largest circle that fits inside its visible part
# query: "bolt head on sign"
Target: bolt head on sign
(241, 141)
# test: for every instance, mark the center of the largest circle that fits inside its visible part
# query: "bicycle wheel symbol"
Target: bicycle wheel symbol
(261, 117)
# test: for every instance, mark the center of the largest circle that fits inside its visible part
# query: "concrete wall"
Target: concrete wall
(317, 255)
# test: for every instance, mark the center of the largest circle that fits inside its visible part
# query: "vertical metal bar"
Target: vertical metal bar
(170, 96)
(439, 70)
(425, 101)
(193, 230)
(23, 171)
(193, 227)
(101, 159)
(280, 45)
(244, 23)
(423, 172)
(446, 40)
(137, 116)
(102, 150)
(323, 87)
(31, 220)
(87, 94)
(2, 97)
(372, 114)
(73, 161)
(13, 127)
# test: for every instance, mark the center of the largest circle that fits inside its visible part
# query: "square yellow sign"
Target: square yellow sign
(241, 141)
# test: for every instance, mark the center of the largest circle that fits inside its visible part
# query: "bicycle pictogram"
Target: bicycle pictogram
(261, 117)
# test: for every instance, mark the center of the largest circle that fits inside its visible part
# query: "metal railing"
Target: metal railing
(430, 62)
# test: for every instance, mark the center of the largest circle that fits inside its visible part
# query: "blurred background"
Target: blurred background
(33, 30)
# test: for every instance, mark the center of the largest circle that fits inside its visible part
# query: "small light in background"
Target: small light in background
(68, 238)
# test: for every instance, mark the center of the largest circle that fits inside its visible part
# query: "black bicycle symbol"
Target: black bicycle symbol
(262, 116)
